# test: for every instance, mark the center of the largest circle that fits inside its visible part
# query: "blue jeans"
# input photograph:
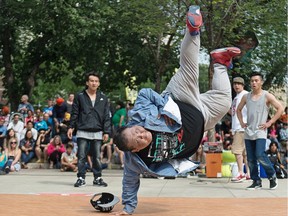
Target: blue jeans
(163, 169)
(26, 158)
(256, 152)
(85, 146)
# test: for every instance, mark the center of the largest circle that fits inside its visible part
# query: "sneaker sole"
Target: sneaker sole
(80, 185)
(256, 188)
(100, 185)
(230, 49)
(238, 181)
(197, 17)
(273, 188)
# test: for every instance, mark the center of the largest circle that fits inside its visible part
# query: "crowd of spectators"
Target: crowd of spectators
(39, 135)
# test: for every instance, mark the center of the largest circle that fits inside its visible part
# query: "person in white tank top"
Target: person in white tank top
(258, 102)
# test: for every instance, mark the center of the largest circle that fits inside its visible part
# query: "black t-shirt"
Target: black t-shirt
(182, 144)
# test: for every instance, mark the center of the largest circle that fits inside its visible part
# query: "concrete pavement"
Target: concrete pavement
(46, 181)
(45, 192)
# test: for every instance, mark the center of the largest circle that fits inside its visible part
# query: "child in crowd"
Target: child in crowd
(69, 159)
(275, 158)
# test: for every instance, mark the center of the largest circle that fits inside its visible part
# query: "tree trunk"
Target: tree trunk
(8, 69)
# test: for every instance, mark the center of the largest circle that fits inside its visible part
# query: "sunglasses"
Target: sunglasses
(13, 142)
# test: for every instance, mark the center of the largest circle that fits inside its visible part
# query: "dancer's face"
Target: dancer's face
(138, 138)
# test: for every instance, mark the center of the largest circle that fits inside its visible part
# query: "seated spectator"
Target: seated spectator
(3, 131)
(273, 134)
(283, 133)
(54, 150)
(17, 125)
(226, 128)
(24, 106)
(284, 117)
(13, 154)
(5, 113)
(120, 154)
(29, 126)
(3, 160)
(69, 159)
(41, 146)
(41, 124)
(63, 127)
(106, 151)
(27, 146)
(37, 115)
(49, 124)
(10, 134)
(275, 158)
(29, 117)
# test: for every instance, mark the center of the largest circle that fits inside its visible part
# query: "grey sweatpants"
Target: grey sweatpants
(184, 85)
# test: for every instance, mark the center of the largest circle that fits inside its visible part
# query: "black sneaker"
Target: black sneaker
(80, 182)
(7, 169)
(273, 183)
(255, 185)
(99, 182)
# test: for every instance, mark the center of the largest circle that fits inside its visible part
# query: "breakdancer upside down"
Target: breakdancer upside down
(166, 129)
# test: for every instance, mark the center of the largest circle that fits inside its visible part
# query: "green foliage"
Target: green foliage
(54, 43)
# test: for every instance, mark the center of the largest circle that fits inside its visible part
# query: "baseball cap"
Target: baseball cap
(238, 80)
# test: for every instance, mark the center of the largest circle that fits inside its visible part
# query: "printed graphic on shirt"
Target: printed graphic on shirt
(165, 146)
(234, 106)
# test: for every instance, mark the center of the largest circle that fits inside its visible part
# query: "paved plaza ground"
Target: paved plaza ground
(51, 192)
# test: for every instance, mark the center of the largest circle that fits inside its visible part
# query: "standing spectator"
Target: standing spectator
(49, 108)
(29, 126)
(54, 150)
(69, 102)
(238, 145)
(59, 110)
(27, 146)
(258, 102)
(90, 115)
(24, 106)
(3, 131)
(69, 159)
(17, 125)
(13, 153)
(119, 117)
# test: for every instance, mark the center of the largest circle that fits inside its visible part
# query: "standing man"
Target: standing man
(90, 115)
(238, 145)
(258, 102)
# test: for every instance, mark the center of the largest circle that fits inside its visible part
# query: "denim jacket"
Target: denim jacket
(148, 106)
